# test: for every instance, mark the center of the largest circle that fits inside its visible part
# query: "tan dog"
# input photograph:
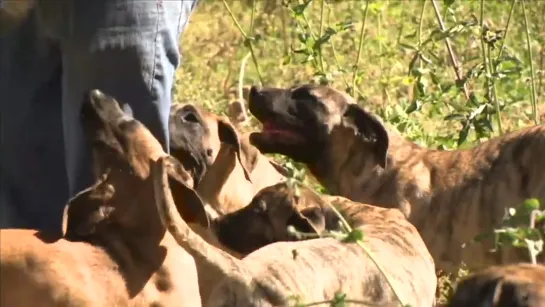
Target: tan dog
(115, 251)
(450, 196)
(227, 170)
(516, 285)
(314, 270)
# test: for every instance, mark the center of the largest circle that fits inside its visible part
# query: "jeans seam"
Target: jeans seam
(183, 28)
(155, 47)
(178, 29)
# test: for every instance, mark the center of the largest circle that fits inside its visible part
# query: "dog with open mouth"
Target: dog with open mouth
(450, 196)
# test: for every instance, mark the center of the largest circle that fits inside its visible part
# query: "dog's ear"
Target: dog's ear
(371, 129)
(189, 204)
(474, 291)
(280, 169)
(228, 135)
(85, 211)
(250, 155)
(309, 220)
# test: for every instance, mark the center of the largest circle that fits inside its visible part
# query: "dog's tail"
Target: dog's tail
(217, 262)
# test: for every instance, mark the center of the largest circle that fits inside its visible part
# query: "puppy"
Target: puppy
(266, 219)
(315, 269)
(515, 285)
(450, 196)
(115, 251)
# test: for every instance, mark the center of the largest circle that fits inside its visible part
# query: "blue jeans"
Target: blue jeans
(126, 48)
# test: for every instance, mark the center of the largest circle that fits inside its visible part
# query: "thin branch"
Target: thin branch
(532, 72)
(506, 29)
(490, 86)
(247, 39)
(362, 33)
(455, 64)
(322, 12)
(241, 86)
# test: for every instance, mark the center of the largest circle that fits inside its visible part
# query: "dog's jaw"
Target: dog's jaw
(282, 133)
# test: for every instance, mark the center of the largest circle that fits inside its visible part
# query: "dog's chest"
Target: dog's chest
(173, 284)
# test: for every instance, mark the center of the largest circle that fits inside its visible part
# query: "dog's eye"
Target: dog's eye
(261, 206)
(189, 117)
(302, 94)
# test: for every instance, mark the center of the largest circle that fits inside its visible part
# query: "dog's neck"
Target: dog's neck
(137, 255)
(348, 168)
(222, 181)
(225, 187)
(138, 216)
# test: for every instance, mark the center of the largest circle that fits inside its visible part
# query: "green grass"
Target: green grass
(404, 75)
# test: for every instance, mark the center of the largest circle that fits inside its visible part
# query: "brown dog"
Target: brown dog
(227, 170)
(313, 270)
(115, 251)
(450, 196)
(265, 220)
(516, 285)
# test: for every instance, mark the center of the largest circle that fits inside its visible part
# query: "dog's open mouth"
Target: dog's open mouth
(273, 132)
(272, 129)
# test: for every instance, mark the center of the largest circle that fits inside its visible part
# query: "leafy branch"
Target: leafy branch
(520, 228)
(248, 40)
(457, 67)
(533, 93)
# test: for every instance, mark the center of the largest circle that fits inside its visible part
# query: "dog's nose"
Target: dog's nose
(96, 95)
(255, 91)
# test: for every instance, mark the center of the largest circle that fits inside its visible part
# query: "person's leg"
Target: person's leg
(33, 184)
(126, 48)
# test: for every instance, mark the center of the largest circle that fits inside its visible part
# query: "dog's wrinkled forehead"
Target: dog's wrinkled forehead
(286, 190)
(192, 112)
(335, 101)
(275, 192)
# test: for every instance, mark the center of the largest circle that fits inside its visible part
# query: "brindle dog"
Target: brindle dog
(450, 196)
(515, 285)
(313, 270)
(266, 219)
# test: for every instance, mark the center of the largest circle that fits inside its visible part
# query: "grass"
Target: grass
(448, 74)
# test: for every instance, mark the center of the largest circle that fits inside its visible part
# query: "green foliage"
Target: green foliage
(520, 228)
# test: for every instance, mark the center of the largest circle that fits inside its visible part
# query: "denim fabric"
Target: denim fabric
(33, 185)
(128, 49)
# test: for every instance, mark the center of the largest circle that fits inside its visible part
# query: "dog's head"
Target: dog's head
(266, 219)
(514, 285)
(123, 149)
(301, 121)
(197, 136)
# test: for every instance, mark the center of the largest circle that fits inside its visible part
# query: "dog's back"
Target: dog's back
(53, 274)
(317, 269)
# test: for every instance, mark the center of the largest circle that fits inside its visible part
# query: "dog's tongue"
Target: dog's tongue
(269, 126)
(272, 130)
